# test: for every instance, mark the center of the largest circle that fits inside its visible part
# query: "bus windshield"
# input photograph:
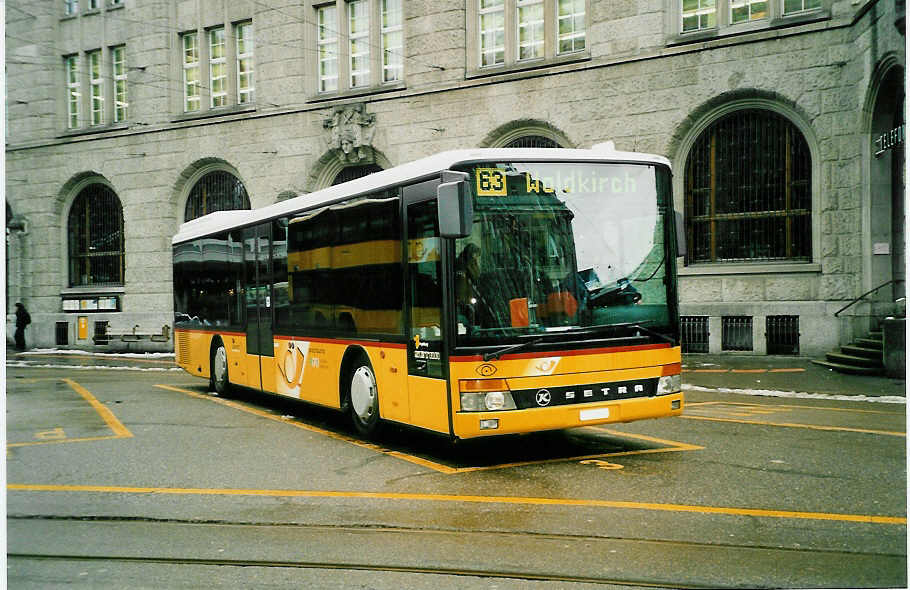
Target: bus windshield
(560, 248)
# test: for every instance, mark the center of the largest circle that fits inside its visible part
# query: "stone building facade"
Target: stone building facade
(783, 119)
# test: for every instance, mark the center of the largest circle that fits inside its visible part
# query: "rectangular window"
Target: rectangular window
(392, 41)
(97, 87)
(191, 84)
(492, 33)
(359, 37)
(530, 29)
(118, 68)
(742, 11)
(327, 47)
(73, 94)
(217, 68)
(70, 7)
(94, 4)
(792, 6)
(571, 25)
(698, 15)
(245, 80)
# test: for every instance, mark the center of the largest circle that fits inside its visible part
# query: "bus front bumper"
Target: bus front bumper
(477, 424)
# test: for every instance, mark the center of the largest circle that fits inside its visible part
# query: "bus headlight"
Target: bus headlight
(486, 401)
(669, 384)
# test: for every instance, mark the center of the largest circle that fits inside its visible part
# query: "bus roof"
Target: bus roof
(422, 169)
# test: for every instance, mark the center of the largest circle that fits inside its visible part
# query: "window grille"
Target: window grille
(748, 191)
(736, 333)
(96, 238)
(782, 334)
(216, 191)
(694, 333)
(532, 141)
(101, 335)
(62, 333)
(354, 172)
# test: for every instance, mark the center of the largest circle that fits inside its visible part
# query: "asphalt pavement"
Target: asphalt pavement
(734, 373)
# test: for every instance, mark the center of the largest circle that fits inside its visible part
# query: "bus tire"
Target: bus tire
(364, 398)
(219, 381)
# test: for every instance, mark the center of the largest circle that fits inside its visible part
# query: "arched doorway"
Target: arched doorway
(218, 190)
(887, 185)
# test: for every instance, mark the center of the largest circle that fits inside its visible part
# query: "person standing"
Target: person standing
(23, 319)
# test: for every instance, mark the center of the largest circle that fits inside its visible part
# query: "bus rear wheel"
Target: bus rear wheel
(364, 397)
(219, 380)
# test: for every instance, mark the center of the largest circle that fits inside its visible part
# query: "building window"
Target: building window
(571, 25)
(73, 93)
(245, 81)
(392, 41)
(748, 191)
(359, 44)
(492, 33)
(355, 172)
(705, 15)
(217, 68)
(96, 82)
(118, 69)
(216, 191)
(359, 41)
(328, 48)
(794, 6)
(532, 141)
(70, 7)
(742, 11)
(191, 82)
(512, 32)
(95, 230)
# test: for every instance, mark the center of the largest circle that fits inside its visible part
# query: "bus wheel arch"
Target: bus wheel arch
(360, 392)
(219, 380)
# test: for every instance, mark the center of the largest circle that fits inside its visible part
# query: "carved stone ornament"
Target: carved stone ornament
(352, 131)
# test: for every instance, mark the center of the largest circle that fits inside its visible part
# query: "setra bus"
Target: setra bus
(471, 293)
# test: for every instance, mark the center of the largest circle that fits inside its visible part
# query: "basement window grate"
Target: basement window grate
(694, 333)
(782, 334)
(737, 333)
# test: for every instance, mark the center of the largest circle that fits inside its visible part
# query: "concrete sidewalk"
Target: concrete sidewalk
(727, 371)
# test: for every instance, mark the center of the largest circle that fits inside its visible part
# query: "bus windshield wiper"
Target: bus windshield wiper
(633, 325)
(489, 356)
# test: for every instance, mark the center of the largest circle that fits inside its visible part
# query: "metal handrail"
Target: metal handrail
(861, 297)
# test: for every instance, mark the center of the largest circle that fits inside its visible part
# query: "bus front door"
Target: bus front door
(258, 277)
(427, 391)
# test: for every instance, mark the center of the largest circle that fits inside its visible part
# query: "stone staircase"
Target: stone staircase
(861, 357)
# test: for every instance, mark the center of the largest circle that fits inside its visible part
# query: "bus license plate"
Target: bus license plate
(596, 414)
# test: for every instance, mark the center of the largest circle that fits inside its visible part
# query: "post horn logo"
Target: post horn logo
(486, 370)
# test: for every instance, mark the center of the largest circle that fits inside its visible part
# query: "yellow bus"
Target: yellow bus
(471, 293)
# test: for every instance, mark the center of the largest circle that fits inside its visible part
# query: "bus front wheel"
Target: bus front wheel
(219, 380)
(364, 396)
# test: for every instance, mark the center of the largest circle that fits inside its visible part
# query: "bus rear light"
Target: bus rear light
(486, 401)
(669, 384)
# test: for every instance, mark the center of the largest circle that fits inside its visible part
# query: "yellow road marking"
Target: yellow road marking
(519, 500)
(792, 425)
(441, 468)
(120, 431)
(791, 406)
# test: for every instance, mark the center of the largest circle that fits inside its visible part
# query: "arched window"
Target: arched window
(95, 230)
(532, 141)
(216, 191)
(353, 172)
(748, 191)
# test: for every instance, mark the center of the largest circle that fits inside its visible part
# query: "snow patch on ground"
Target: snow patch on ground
(882, 399)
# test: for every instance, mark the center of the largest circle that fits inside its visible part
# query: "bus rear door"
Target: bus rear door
(258, 277)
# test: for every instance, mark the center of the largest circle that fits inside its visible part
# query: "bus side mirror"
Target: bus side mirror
(455, 206)
(680, 235)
